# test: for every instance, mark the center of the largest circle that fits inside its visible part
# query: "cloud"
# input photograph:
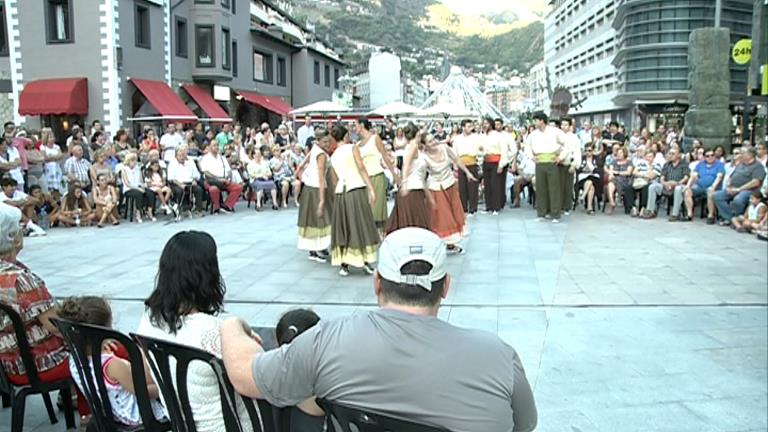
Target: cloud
(527, 10)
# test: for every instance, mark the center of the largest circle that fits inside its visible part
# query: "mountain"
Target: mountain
(423, 33)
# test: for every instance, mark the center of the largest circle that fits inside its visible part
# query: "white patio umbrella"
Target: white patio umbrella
(395, 109)
(446, 110)
(321, 107)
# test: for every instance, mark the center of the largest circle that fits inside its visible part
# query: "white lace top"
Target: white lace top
(199, 330)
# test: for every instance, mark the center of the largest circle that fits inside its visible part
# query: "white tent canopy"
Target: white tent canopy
(320, 108)
(463, 98)
(395, 109)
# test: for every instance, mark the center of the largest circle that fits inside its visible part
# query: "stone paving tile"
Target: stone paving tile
(619, 322)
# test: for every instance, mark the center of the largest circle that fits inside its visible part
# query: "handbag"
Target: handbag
(639, 182)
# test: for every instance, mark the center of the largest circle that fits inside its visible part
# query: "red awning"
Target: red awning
(210, 107)
(271, 103)
(163, 103)
(55, 97)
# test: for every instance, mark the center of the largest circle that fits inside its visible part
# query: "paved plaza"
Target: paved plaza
(622, 324)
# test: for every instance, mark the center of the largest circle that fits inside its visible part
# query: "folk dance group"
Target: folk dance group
(343, 203)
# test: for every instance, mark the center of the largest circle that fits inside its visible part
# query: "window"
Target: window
(3, 33)
(141, 26)
(281, 72)
(226, 45)
(234, 58)
(225, 4)
(262, 67)
(234, 7)
(58, 21)
(327, 73)
(336, 78)
(317, 72)
(182, 38)
(204, 47)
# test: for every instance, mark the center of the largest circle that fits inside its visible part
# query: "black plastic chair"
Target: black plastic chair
(342, 418)
(82, 339)
(18, 394)
(176, 397)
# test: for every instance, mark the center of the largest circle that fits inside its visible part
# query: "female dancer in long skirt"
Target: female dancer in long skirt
(373, 154)
(414, 200)
(314, 211)
(354, 237)
(447, 218)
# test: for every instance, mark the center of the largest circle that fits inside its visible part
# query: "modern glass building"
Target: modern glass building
(651, 60)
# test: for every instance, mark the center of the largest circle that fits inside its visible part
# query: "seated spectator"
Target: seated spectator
(105, 199)
(525, 169)
(27, 294)
(262, 178)
(47, 206)
(77, 168)
(218, 179)
(589, 178)
(754, 217)
(705, 180)
(13, 197)
(135, 189)
(282, 173)
(619, 178)
(75, 208)
(674, 177)
(155, 181)
(381, 360)
(118, 380)
(100, 167)
(184, 308)
(747, 177)
(122, 141)
(644, 174)
(183, 177)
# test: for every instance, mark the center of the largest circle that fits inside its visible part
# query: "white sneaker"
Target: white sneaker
(368, 269)
(36, 231)
(343, 272)
(495, 213)
(566, 213)
(540, 219)
(555, 220)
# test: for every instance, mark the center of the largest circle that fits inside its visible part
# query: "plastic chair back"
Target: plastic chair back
(344, 418)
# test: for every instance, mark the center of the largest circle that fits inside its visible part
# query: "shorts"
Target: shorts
(698, 191)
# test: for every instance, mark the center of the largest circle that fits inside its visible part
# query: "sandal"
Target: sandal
(590, 212)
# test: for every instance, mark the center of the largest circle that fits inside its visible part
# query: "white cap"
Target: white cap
(412, 244)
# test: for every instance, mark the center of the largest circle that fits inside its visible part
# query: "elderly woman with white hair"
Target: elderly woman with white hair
(26, 293)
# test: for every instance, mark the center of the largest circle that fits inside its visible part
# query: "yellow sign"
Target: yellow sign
(742, 51)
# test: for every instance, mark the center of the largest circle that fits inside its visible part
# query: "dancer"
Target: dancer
(467, 147)
(314, 212)
(543, 146)
(447, 218)
(413, 203)
(373, 153)
(494, 147)
(354, 237)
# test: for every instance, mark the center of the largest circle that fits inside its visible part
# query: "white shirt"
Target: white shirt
(216, 165)
(585, 136)
(186, 173)
(169, 142)
(571, 153)
(16, 197)
(550, 140)
(13, 155)
(304, 133)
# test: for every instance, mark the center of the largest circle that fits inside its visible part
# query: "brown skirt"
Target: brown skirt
(354, 237)
(411, 210)
(447, 218)
(314, 230)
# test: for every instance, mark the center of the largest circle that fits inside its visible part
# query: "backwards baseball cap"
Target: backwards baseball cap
(412, 244)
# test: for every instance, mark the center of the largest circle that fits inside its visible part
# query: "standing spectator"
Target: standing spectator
(122, 143)
(79, 140)
(218, 178)
(171, 140)
(382, 359)
(282, 139)
(674, 177)
(20, 143)
(35, 165)
(96, 127)
(54, 177)
(78, 169)
(183, 176)
(224, 137)
(148, 144)
(543, 147)
(705, 180)
(10, 162)
(306, 133)
(585, 134)
(613, 135)
(747, 177)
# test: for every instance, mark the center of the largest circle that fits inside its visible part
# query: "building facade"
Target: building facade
(538, 95)
(627, 60)
(229, 49)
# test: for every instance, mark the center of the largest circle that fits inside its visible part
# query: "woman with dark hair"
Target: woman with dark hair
(314, 211)
(373, 154)
(75, 208)
(354, 238)
(183, 308)
(412, 204)
(590, 177)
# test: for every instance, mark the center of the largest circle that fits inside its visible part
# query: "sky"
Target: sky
(524, 8)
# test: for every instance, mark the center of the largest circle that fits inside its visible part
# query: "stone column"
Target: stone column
(709, 87)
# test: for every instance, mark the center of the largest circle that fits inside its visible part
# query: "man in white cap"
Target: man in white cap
(399, 360)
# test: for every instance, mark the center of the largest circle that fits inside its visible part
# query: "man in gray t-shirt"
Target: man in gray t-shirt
(748, 176)
(399, 360)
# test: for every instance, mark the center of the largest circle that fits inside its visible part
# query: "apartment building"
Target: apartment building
(131, 62)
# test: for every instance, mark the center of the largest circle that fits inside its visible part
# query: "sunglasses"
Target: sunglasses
(709, 155)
